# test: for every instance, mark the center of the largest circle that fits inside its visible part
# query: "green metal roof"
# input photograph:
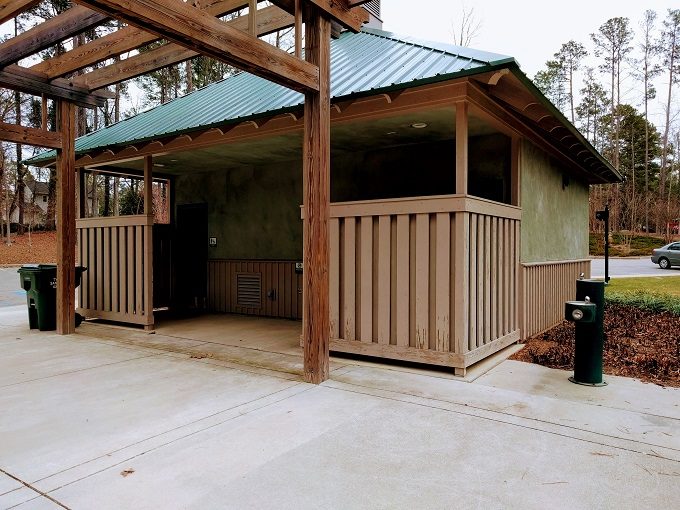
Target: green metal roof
(363, 64)
(366, 63)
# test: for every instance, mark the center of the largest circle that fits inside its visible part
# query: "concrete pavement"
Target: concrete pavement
(87, 422)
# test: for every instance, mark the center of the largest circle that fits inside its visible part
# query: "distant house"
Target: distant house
(35, 204)
(458, 217)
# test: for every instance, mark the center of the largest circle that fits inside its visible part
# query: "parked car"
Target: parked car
(667, 256)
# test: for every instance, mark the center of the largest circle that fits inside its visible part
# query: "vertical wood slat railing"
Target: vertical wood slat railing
(545, 288)
(393, 278)
(114, 286)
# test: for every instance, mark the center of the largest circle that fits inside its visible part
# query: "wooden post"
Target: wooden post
(316, 201)
(298, 29)
(66, 219)
(461, 148)
(82, 194)
(461, 256)
(515, 193)
(148, 243)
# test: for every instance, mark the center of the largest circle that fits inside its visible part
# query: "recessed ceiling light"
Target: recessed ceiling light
(160, 165)
(391, 132)
(419, 125)
(173, 161)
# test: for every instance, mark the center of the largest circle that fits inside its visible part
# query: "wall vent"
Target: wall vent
(249, 290)
(373, 7)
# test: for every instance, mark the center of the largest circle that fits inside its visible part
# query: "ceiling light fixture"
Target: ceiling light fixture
(419, 125)
(160, 165)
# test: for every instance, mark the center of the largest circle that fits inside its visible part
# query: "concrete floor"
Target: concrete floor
(104, 419)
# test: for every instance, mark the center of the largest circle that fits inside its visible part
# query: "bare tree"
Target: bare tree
(670, 55)
(570, 56)
(649, 70)
(467, 27)
(613, 43)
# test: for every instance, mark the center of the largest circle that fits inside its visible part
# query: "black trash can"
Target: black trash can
(40, 283)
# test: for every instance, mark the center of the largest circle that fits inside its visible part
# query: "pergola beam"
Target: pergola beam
(71, 22)
(116, 43)
(201, 32)
(12, 8)
(350, 17)
(24, 80)
(29, 136)
(269, 20)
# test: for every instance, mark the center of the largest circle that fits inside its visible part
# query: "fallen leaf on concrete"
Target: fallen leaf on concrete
(127, 472)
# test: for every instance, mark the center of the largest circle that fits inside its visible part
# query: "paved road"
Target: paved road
(10, 292)
(631, 267)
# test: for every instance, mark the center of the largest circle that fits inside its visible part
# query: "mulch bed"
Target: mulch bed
(638, 343)
(41, 248)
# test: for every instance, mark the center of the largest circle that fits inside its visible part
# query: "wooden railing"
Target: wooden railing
(545, 288)
(118, 283)
(430, 279)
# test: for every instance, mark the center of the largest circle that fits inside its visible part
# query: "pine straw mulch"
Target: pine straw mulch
(42, 249)
(638, 343)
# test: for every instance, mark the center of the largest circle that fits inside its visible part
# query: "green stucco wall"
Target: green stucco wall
(554, 217)
(253, 212)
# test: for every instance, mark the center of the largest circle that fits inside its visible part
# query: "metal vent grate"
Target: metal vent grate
(249, 290)
(373, 7)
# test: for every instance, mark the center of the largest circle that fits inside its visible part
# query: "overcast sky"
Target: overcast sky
(529, 30)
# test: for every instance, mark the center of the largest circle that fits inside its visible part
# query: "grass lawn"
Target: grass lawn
(665, 285)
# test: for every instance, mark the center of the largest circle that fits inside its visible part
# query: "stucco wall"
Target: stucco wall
(554, 218)
(253, 212)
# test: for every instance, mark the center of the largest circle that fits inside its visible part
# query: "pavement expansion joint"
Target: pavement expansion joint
(34, 489)
(511, 419)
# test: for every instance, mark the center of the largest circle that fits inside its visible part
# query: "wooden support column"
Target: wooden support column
(461, 255)
(461, 148)
(66, 219)
(516, 174)
(316, 201)
(148, 243)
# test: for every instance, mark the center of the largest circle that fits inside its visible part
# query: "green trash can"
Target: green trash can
(40, 283)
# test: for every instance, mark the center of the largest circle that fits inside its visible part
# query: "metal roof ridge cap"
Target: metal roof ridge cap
(431, 45)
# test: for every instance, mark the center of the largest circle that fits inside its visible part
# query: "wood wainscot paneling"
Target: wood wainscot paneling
(280, 288)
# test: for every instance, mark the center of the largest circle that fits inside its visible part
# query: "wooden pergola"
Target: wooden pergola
(189, 28)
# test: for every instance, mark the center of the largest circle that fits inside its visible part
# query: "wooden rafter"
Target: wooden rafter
(197, 30)
(269, 20)
(11, 8)
(24, 80)
(29, 136)
(71, 22)
(116, 43)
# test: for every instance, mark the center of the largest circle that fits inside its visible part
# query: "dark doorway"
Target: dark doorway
(191, 257)
(162, 265)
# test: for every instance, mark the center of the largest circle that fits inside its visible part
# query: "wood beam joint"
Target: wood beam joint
(30, 136)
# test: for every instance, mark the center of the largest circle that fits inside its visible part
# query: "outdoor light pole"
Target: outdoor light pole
(604, 216)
